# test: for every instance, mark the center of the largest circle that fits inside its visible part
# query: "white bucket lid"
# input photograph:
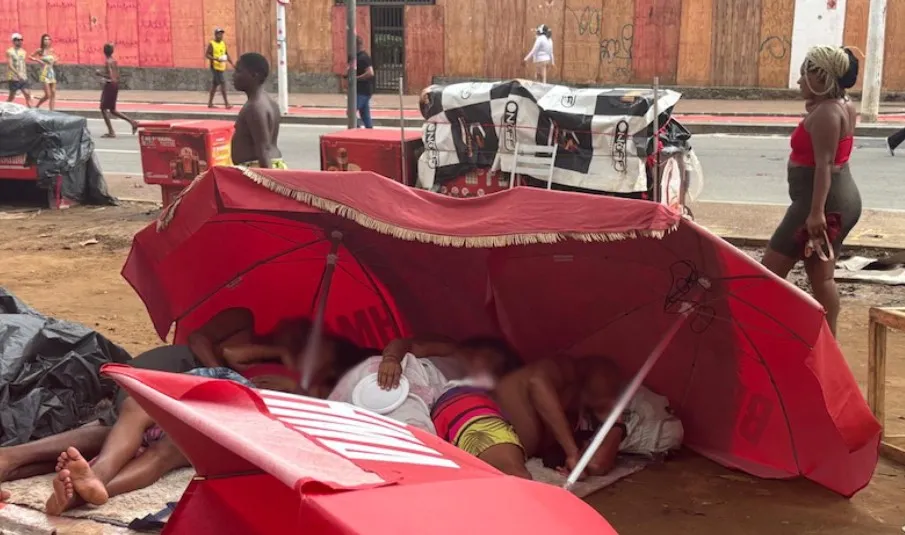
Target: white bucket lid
(367, 394)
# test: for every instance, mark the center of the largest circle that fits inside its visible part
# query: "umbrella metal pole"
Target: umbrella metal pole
(402, 131)
(314, 338)
(657, 189)
(623, 401)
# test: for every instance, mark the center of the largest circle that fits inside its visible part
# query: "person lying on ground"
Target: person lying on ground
(137, 453)
(540, 398)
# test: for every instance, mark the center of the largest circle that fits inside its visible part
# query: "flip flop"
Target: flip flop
(108, 136)
(817, 245)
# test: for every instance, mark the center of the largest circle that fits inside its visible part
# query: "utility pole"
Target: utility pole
(282, 68)
(352, 49)
(873, 68)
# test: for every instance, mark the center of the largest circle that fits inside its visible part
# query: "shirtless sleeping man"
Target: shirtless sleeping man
(258, 125)
(557, 405)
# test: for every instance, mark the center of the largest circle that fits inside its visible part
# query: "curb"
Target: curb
(750, 242)
(759, 129)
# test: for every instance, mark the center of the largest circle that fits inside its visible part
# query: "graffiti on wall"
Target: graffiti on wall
(615, 48)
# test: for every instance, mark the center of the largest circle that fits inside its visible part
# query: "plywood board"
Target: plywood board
(187, 34)
(855, 31)
(256, 29)
(362, 28)
(91, 26)
(552, 13)
(465, 32)
(656, 40)
(61, 17)
(695, 47)
(309, 36)
(423, 46)
(736, 42)
(815, 23)
(220, 14)
(9, 23)
(774, 50)
(581, 41)
(32, 22)
(122, 29)
(155, 45)
(617, 42)
(504, 35)
(893, 66)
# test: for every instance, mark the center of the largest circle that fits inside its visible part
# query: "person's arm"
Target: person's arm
(825, 130)
(203, 349)
(369, 69)
(552, 57)
(533, 49)
(421, 347)
(111, 75)
(209, 52)
(605, 458)
(260, 135)
(241, 357)
(543, 390)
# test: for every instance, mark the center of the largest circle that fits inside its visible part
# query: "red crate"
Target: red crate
(175, 152)
(380, 151)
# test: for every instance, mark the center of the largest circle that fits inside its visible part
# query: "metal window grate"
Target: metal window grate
(389, 2)
(388, 46)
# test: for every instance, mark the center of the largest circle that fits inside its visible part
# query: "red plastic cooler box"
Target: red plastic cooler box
(380, 151)
(173, 153)
(18, 168)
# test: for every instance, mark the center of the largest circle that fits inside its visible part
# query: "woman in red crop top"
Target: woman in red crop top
(826, 203)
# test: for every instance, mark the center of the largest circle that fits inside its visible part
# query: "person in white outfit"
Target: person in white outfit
(542, 53)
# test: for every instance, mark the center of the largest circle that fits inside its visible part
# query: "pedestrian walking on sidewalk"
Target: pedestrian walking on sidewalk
(48, 59)
(364, 83)
(541, 54)
(893, 141)
(218, 57)
(826, 203)
(17, 70)
(110, 93)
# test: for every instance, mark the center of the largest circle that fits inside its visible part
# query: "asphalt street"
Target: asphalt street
(737, 169)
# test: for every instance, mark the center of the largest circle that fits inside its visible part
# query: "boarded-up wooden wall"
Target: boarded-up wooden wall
(580, 42)
(504, 37)
(695, 43)
(155, 47)
(362, 28)
(736, 42)
(855, 32)
(308, 34)
(774, 50)
(617, 42)
(256, 30)
(219, 14)
(187, 34)
(465, 37)
(423, 46)
(61, 17)
(122, 29)
(91, 28)
(893, 66)
(9, 21)
(656, 40)
(33, 23)
(551, 13)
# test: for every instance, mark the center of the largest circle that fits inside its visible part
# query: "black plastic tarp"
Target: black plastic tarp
(58, 144)
(49, 381)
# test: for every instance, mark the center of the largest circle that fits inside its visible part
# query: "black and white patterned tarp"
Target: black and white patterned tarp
(603, 135)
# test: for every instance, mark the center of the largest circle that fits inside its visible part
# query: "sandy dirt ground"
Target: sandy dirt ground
(67, 264)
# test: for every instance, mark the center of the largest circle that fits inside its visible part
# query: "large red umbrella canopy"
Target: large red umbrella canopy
(754, 373)
(269, 462)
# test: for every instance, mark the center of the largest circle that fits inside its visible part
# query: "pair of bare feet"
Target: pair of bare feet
(74, 483)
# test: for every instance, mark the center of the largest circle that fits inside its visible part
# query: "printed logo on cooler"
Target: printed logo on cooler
(510, 120)
(430, 143)
(568, 100)
(620, 142)
(353, 433)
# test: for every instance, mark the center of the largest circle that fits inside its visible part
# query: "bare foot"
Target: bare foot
(211, 106)
(108, 136)
(229, 106)
(84, 481)
(63, 494)
(62, 462)
(4, 495)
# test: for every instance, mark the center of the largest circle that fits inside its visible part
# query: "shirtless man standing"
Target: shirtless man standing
(540, 398)
(258, 125)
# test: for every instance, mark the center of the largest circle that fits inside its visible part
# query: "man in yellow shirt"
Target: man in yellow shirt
(17, 71)
(218, 57)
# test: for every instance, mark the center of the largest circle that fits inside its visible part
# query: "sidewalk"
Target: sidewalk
(770, 117)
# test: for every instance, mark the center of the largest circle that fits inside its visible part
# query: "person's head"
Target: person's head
(827, 72)
(485, 355)
(17, 40)
(218, 34)
(600, 383)
(108, 50)
(252, 71)
(359, 43)
(46, 41)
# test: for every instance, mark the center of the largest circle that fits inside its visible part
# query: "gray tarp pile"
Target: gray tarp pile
(58, 145)
(49, 368)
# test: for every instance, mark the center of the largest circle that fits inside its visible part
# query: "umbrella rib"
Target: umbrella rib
(750, 305)
(782, 404)
(383, 301)
(254, 224)
(608, 324)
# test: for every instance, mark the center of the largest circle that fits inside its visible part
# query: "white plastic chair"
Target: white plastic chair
(534, 160)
